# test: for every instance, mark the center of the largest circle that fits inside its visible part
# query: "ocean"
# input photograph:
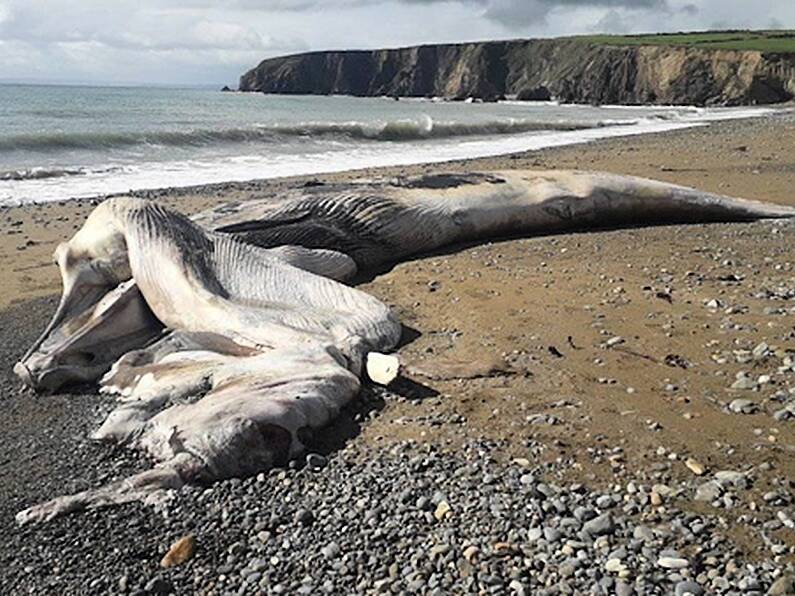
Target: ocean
(61, 142)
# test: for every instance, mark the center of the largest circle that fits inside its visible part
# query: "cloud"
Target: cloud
(131, 41)
(690, 9)
(520, 13)
(613, 22)
(215, 41)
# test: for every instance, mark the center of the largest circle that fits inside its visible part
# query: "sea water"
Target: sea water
(61, 142)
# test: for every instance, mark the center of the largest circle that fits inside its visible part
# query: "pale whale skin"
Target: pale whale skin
(227, 336)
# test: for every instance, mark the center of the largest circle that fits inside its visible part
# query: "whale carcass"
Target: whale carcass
(227, 336)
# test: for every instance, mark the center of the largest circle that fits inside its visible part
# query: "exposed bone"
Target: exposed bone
(257, 341)
(382, 368)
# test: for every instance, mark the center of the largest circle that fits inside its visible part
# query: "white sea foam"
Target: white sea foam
(343, 145)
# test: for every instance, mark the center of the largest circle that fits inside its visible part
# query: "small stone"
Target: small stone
(534, 534)
(672, 563)
(605, 502)
(655, 498)
(257, 564)
(331, 550)
(471, 552)
(743, 406)
(744, 383)
(624, 589)
(760, 351)
(614, 565)
(663, 490)
(783, 586)
(438, 550)
(614, 341)
(158, 585)
(443, 510)
(732, 478)
(709, 491)
(551, 534)
(315, 461)
(785, 414)
(688, 588)
(600, 525)
(644, 533)
(694, 466)
(180, 552)
(566, 570)
(304, 517)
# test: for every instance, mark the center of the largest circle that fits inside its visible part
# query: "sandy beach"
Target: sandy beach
(694, 307)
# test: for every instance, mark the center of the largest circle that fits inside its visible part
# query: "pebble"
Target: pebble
(443, 510)
(744, 382)
(158, 585)
(315, 461)
(534, 534)
(708, 491)
(600, 525)
(304, 517)
(605, 502)
(331, 550)
(624, 589)
(694, 466)
(688, 588)
(180, 552)
(731, 478)
(743, 406)
(672, 562)
(471, 552)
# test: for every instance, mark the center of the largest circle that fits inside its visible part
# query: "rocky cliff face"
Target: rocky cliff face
(570, 70)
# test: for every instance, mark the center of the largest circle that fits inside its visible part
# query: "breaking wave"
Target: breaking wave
(39, 173)
(395, 130)
(43, 173)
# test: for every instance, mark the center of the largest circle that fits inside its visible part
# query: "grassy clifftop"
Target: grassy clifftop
(780, 42)
(710, 68)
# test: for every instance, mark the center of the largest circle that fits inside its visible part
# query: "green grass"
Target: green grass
(762, 41)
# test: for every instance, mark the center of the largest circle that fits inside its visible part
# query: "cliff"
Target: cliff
(570, 70)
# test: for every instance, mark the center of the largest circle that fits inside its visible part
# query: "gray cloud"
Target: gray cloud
(510, 13)
(214, 41)
(690, 9)
(519, 13)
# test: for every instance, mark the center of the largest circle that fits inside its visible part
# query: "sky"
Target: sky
(212, 42)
